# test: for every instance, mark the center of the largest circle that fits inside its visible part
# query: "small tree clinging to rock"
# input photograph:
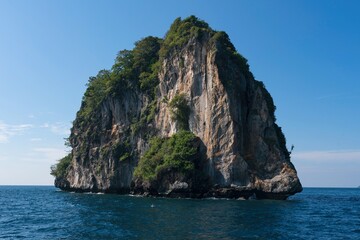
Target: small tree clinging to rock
(180, 111)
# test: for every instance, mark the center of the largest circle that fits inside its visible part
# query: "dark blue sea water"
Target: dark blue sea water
(46, 213)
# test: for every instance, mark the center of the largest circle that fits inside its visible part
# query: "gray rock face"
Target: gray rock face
(237, 128)
(243, 151)
(96, 166)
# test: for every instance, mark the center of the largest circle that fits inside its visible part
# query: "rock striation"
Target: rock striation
(181, 116)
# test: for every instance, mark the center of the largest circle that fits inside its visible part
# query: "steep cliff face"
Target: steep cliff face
(222, 141)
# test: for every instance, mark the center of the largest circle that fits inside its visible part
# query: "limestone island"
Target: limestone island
(181, 116)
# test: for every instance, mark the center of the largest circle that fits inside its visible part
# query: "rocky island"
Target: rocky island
(181, 116)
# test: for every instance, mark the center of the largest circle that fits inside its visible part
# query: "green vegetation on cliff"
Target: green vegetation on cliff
(180, 110)
(59, 170)
(228, 60)
(138, 69)
(135, 69)
(181, 31)
(175, 153)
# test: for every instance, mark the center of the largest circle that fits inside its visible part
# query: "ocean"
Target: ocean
(44, 212)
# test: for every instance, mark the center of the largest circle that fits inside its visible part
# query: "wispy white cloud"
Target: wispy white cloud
(322, 156)
(44, 155)
(51, 153)
(58, 128)
(35, 139)
(9, 130)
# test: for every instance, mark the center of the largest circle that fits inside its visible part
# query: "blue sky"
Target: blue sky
(306, 53)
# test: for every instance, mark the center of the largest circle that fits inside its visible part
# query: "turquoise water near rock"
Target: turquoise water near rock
(35, 212)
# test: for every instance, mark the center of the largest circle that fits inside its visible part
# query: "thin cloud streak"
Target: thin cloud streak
(44, 155)
(58, 128)
(51, 153)
(35, 139)
(8, 130)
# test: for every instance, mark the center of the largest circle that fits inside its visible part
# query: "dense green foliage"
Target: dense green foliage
(135, 69)
(146, 117)
(60, 169)
(97, 88)
(180, 110)
(181, 31)
(138, 69)
(228, 59)
(173, 153)
(122, 150)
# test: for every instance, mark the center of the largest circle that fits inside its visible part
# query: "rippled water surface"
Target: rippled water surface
(46, 213)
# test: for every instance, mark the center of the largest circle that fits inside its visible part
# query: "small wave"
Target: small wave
(218, 199)
(134, 195)
(241, 199)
